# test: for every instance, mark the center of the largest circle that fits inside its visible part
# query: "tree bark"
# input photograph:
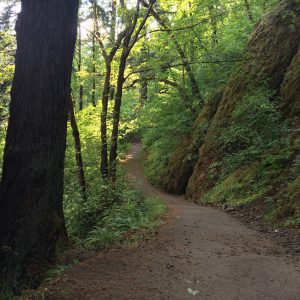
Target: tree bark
(103, 126)
(79, 68)
(94, 53)
(214, 26)
(116, 118)
(77, 146)
(32, 227)
(129, 41)
(108, 57)
(143, 90)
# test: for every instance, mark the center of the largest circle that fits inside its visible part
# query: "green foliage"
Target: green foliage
(5, 292)
(259, 161)
(7, 50)
(163, 121)
(111, 210)
(255, 126)
(296, 165)
(212, 46)
(287, 204)
(124, 220)
(241, 187)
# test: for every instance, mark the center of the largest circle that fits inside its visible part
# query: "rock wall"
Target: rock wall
(290, 90)
(273, 62)
(184, 159)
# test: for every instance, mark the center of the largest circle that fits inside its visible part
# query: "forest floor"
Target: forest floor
(199, 252)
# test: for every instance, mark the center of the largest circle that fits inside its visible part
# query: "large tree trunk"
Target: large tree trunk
(32, 225)
(77, 146)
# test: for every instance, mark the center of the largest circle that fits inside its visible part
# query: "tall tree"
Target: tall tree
(108, 58)
(131, 37)
(80, 68)
(94, 10)
(77, 147)
(32, 225)
(164, 24)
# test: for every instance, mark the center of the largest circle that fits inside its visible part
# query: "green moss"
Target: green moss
(238, 189)
(273, 181)
(287, 209)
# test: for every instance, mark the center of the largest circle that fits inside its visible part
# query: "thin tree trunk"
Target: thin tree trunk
(108, 57)
(113, 21)
(80, 67)
(103, 129)
(77, 146)
(214, 27)
(142, 78)
(195, 88)
(128, 44)
(32, 227)
(116, 118)
(93, 100)
(143, 90)
(94, 54)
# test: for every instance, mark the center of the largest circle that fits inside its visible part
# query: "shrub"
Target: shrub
(255, 126)
(163, 121)
(128, 218)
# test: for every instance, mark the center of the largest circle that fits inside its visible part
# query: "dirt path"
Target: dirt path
(198, 248)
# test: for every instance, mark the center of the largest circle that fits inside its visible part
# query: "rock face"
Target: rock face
(290, 90)
(184, 159)
(273, 62)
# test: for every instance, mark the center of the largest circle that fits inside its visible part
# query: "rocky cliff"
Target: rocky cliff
(272, 63)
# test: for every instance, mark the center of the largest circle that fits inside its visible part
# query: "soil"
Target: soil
(199, 250)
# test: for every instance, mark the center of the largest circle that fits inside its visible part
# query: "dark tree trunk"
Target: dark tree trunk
(77, 146)
(103, 129)
(143, 80)
(32, 225)
(116, 117)
(94, 54)
(128, 44)
(143, 90)
(214, 26)
(94, 78)
(79, 68)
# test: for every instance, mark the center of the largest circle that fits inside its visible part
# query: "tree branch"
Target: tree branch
(193, 63)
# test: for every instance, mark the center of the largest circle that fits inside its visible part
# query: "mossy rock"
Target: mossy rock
(270, 52)
(185, 156)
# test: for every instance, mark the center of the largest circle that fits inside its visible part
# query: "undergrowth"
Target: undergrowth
(126, 223)
(112, 213)
(260, 161)
(163, 121)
